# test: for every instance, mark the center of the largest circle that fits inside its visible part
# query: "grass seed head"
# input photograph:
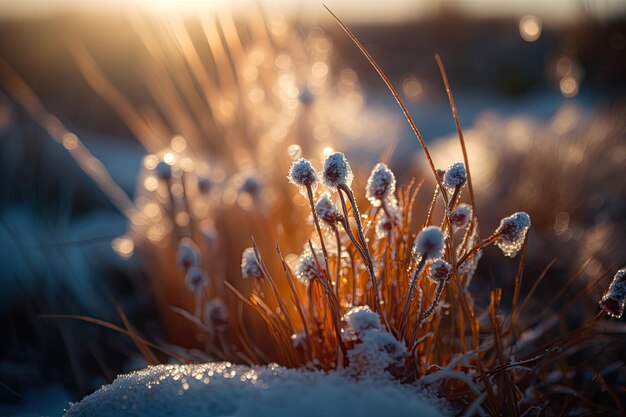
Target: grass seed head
(512, 232)
(326, 210)
(455, 176)
(430, 243)
(249, 265)
(308, 266)
(380, 185)
(460, 215)
(614, 299)
(195, 279)
(337, 171)
(216, 314)
(439, 271)
(163, 171)
(303, 174)
(188, 254)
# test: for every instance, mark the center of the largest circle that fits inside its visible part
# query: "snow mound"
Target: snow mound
(224, 389)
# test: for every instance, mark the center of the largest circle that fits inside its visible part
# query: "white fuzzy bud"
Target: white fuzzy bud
(512, 232)
(326, 210)
(188, 253)
(430, 243)
(461, 215)
(249, 266)
(614, 299)
(455, 176)
(439, 271)
(195, 279)
(308, 268)
(380, 185)
(302, 173)
(337, 171)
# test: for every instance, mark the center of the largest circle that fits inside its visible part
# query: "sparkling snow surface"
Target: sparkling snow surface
(224, 389)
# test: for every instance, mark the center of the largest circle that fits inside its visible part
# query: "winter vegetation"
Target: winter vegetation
(293, 278)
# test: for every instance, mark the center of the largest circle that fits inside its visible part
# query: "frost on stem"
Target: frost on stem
(308, 268)
(512, 232)
(326, 210)
(455, 176)
(460, 215)
(385, 223)
(188, 253)
(216, 315)
(249, 266)
(195, 279)
(615, 297)
(302, 174)
(381, 185)
(337, 171)
(429, 243)
(439, 271)
(361, 319)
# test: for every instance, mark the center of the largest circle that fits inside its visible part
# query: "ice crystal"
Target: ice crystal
(380, 185)
(337, 171)
(512, 232)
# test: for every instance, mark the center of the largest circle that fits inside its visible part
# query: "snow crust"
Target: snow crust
(224, 389)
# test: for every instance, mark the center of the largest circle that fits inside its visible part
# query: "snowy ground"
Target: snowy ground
(220, 389)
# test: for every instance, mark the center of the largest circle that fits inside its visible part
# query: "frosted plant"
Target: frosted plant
(308, 266)
(429, 243)
(455, 176)
(195, 279)
(249, 265)
(511, 233)
(381, 185)
(216, 315)
(337, 171)
(327, 211)
(303, 174)
(385, 223)
(615, 297)
(460, 216)
(439, 271)
(188, 254)
(298, 340)
(374, 352)
(361, 319)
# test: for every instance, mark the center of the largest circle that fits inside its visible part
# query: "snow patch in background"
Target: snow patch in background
(221, 388)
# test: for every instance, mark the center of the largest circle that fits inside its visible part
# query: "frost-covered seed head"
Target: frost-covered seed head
(195, 279)
(614, 299)
(439, 271)
(297, 340)
(455, 176)
(361, 319)
(326, 210)
(216, 314)
(512, 232)
(204, 185)
(380, 185)
(429, 242)
(307, 266)
(460, 215)
(302, 173)
(337, 171)
(210, 235)
(385, 223)
(252, 185)
(249, 266)
(188, 253)
(163, 171)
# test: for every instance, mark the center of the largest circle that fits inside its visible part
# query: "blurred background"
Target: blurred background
(539, 86)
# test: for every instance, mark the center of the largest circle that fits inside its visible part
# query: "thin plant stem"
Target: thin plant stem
(309, 192)
(338, 277)
(407, 305)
